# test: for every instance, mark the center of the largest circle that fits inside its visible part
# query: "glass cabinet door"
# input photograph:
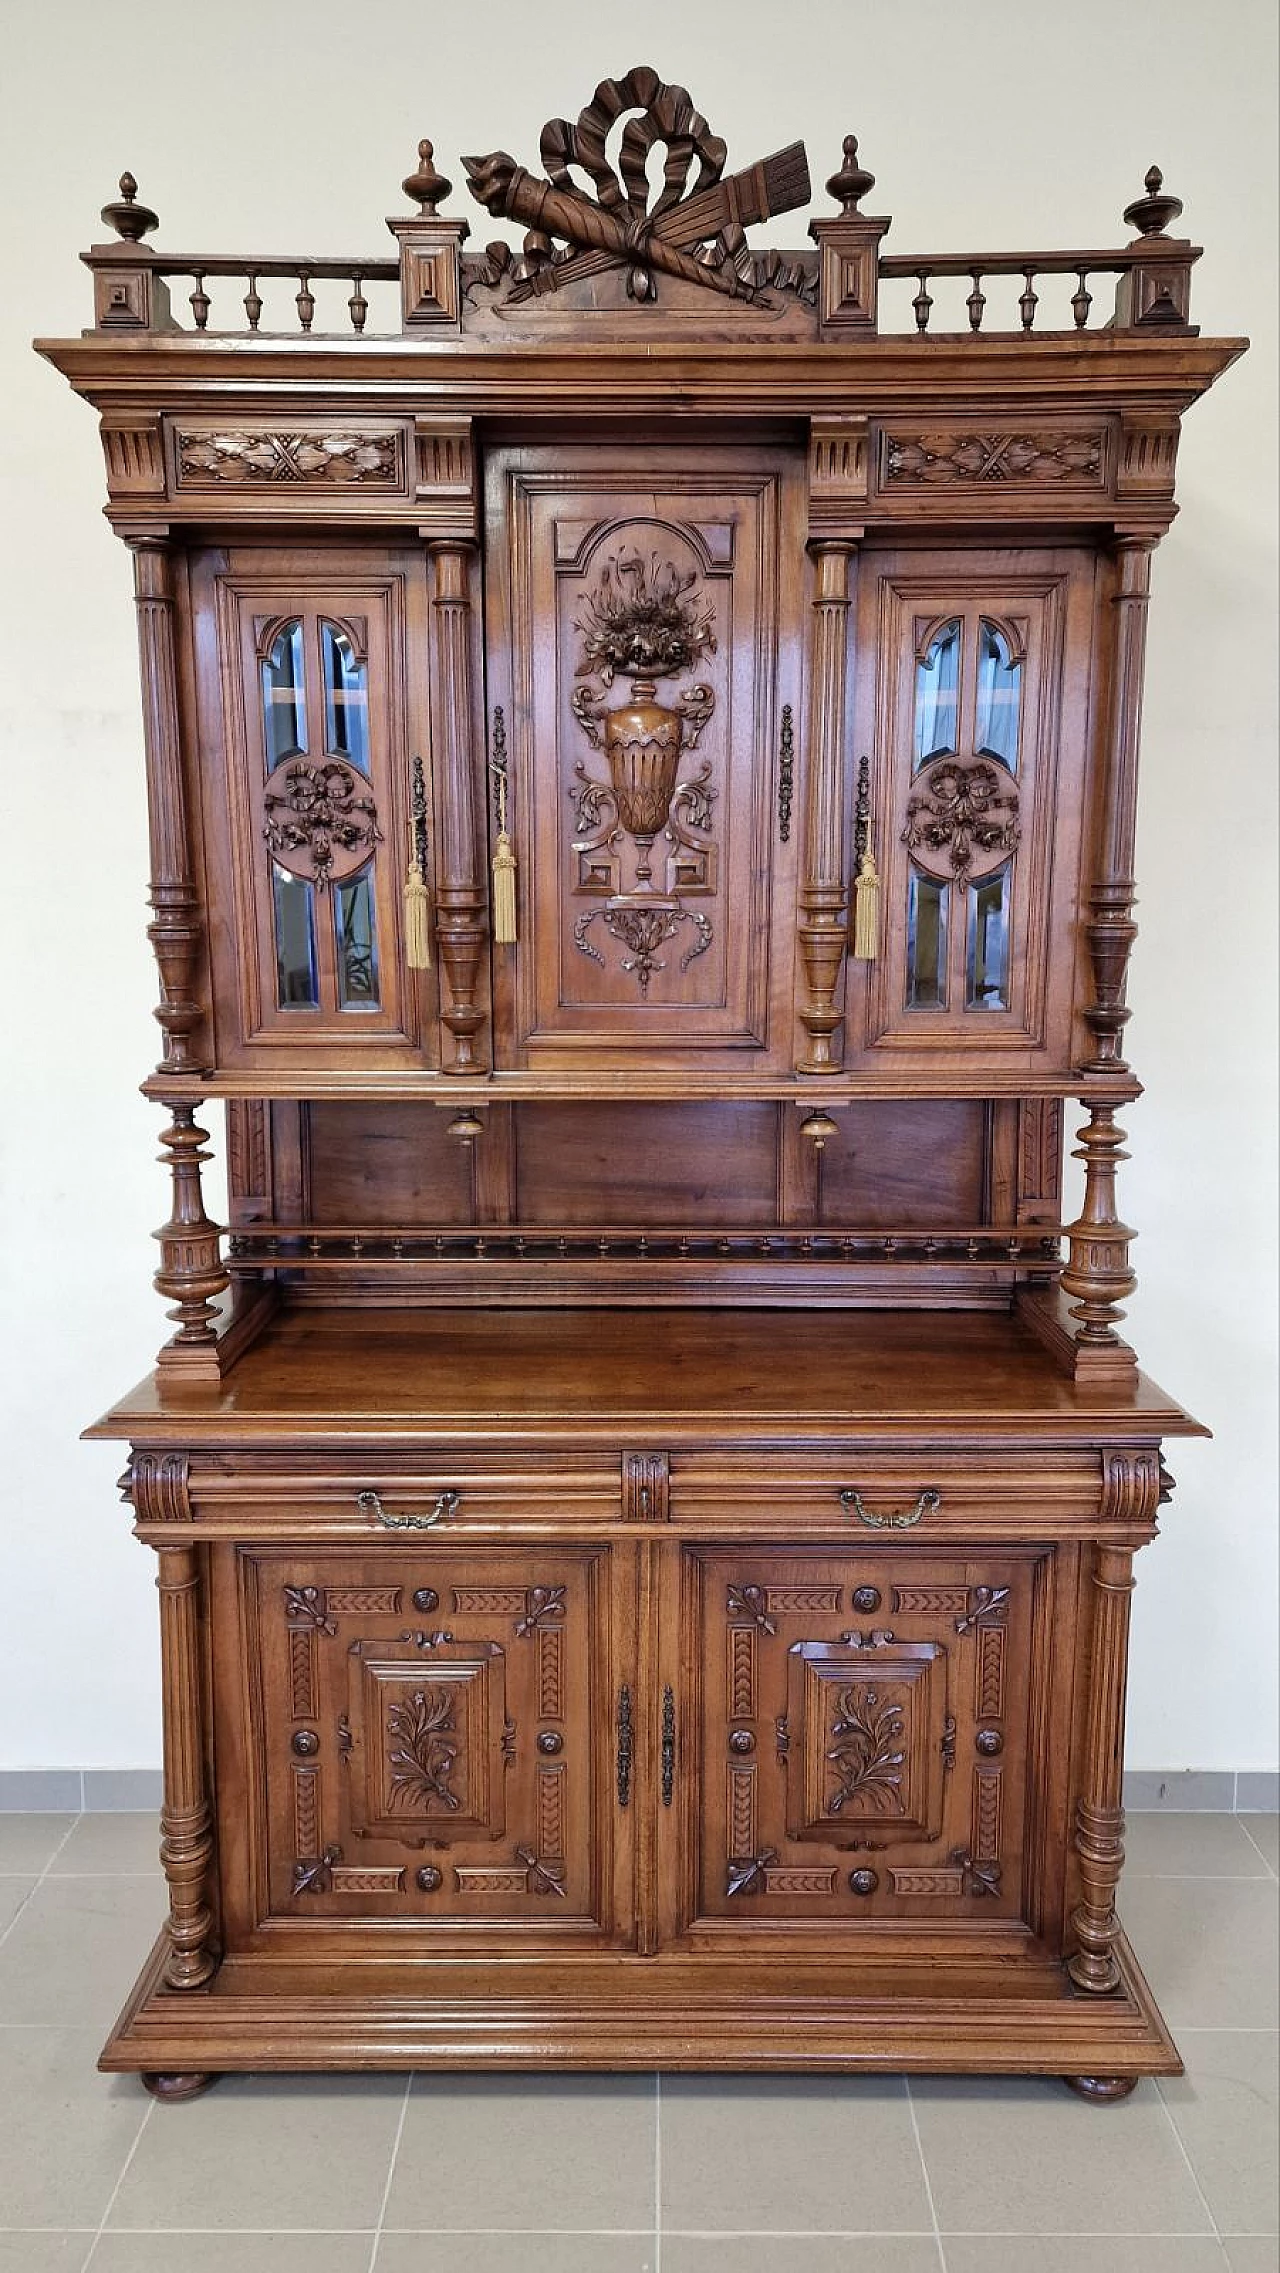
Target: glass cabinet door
(320, 735)
(973, 715)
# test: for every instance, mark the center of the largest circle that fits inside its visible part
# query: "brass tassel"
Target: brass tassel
(504, 859)
(417, 920)
(866, 910)
(504, 891)
(417, 898)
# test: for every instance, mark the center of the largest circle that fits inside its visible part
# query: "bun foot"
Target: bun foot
(188, 2086)
(1101, 2089)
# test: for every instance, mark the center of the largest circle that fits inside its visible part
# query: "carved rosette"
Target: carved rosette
(645, 620)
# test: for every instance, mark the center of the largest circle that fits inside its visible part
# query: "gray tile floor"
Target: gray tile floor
(618, 2174)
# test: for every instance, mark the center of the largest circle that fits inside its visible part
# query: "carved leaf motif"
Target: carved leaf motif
(542, 1603)
(423, 1750)
(865, 1733)
(748, 1875)
(748, 1604)
(306, 1606)
(545, 1876)
(639, 620)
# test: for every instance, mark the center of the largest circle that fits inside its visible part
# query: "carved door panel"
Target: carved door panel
(859, 1749)
(313, 727)
(436, 1738)
(643, 656)
(973, 696)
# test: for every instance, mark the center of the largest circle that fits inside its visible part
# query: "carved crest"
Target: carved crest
(695, 228)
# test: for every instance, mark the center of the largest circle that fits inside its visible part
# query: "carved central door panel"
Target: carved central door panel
(437, 1730)
(860, 1752)
(976, 707)
(642, 655)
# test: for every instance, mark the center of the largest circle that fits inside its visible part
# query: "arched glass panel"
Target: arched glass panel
(346, 698)
(987, 971)
(355, 934)
(284, 701)
(926, 943)
(938, 696)
(297, 985)
(999, 696)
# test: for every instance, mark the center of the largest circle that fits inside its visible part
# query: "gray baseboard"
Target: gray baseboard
(93, 1791)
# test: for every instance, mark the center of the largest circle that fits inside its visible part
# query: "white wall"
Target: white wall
(265, 127)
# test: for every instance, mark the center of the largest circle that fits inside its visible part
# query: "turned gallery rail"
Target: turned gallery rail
(1152, 272)
(302, 1246)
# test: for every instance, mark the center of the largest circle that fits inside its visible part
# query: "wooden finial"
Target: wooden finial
(852, 181)
(1151, 215)
(427, 187)
(129, 219)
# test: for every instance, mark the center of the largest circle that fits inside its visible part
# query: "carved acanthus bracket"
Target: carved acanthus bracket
(962, 819)
(156, 1486)
(692, 231)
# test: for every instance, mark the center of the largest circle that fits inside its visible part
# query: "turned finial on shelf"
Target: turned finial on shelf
(428, 188)
(1151, 215)
(851, 181)
(129, 219)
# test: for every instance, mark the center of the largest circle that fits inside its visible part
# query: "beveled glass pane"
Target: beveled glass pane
(926, 943)
(346, 698)
(938, 695)
(987, 980)
(356, 937)
(297, 987)
(999, 696)
(284, 702)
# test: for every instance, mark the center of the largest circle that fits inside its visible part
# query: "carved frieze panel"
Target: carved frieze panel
(211, 458)
(1009, 459)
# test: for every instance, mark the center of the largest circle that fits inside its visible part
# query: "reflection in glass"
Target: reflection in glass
(284, 702)
(938, 695)
(999, 693)
(346, 698)
(296, 983)
(926, 943)
(356, 942)
(987, 982)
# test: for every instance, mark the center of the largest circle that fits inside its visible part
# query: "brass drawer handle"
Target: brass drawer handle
(369, 1504)
(668, 1745)
(625, 1747)
(928, 1504)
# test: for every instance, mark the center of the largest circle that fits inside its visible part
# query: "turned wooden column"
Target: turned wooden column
(462, 928)
(1111, 930)
(1099, 1833)
(191, 1273)
(176, 928)
(186, 1833)
(1097, 1272)
(823, 909)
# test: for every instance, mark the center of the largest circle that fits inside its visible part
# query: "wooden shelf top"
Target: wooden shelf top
(533, 1375)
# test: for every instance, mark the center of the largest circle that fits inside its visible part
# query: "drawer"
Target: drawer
(366, 1495)
(926, 1493)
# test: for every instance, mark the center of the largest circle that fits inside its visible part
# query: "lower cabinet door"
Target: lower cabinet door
(431, 1739)
(866, 1742)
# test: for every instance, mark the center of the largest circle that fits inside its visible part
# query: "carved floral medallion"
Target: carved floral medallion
(318, 824)
(962, 818)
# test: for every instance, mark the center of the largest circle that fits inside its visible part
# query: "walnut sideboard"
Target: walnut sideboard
(641, 743)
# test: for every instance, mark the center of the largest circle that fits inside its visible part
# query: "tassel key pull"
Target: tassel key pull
(417, 897)
(504, 859)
